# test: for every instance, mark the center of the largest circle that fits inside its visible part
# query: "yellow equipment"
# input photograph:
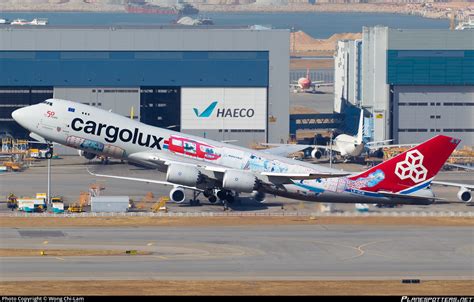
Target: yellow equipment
(11, 201)
(75, 208)
(160, 205)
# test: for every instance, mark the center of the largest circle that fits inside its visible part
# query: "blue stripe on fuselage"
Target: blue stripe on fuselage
(416, 188)
(308, 187)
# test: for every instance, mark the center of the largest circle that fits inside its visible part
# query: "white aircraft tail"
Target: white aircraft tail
(360, 132)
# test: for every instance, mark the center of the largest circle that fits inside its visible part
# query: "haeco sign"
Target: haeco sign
(223, 108)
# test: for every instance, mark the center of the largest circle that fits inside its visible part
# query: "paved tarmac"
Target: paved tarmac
(308, 252)
(70, 178)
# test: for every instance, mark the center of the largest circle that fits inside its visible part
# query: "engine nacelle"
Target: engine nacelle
(378, 153)
(240, 181)
(465, 195)
(184, 175)
(177, 195)
(259, 196)
(316, 153)
(87, 155)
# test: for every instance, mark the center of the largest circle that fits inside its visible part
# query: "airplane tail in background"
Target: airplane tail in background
(307, 73)
(409, 171)
(360, 131)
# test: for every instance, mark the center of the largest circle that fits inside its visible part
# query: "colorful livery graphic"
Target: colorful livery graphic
(192, 148)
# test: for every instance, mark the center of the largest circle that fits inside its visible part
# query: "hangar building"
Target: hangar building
(415, 83)
(166, 76)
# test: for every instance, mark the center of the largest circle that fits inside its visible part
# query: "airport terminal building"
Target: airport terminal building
(415, 83)
(219, 83)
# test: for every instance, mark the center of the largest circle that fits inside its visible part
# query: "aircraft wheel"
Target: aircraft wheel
(212, 199)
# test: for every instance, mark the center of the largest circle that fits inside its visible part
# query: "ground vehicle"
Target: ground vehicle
(57, 205)
(31, 204)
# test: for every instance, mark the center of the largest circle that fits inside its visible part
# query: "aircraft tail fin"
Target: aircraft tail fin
(409, 171)
(307, 73)
(360, 131)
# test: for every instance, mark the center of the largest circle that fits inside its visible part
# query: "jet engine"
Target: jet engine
(240, 181)
(465, 195)
(316, 153)
(177, 195)
(378, 153)
(87, 155)
(259, 196)
(184, 175)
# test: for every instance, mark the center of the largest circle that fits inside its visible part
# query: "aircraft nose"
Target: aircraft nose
(21, 116)
(17, 114)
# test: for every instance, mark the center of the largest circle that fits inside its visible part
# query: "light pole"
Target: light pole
(48, 194)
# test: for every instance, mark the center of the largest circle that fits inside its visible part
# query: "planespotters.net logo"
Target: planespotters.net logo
(412, 167)
(436, 299)
(224, 112)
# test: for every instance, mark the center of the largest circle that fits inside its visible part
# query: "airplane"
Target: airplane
(305, 84)
(222, 171)
(349, 146)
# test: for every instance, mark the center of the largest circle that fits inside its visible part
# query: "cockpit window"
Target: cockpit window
(48, 103)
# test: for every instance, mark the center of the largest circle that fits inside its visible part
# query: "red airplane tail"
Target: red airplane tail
(411, 170)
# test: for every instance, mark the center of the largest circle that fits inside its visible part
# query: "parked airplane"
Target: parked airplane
(305, 84)
(220, 170)
(348, 145)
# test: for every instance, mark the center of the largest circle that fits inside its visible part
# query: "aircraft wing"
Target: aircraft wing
(294, 85)
(406, 196)
(160, 182)
(302, 147)
(153, 159)
(284, 150)
(460, 166)
(453, 184)
(321, 84)
(271, 178)
(372, 146)
(299, 176)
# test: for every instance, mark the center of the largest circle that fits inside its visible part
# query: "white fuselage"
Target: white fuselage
(105, 133)
(348, 146)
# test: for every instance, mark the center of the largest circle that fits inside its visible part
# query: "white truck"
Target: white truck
(31, 204)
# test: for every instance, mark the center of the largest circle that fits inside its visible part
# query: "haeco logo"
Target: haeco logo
(412, 167)
(225, 112)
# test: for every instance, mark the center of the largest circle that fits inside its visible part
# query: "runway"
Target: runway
(281, 252)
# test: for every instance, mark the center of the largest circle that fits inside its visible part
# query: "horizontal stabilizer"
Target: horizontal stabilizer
(408, 197)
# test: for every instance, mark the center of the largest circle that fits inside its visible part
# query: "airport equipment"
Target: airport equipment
(326, 207)
(161, 205)
(110, 203)
(57, 204)
(31, 204)
(13, 166)
(75, 208)
(12, 201)
(95, 189)
(362, 207)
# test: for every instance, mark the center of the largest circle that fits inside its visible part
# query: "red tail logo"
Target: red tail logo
(413, 168)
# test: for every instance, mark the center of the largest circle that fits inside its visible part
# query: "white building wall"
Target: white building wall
(375, 91)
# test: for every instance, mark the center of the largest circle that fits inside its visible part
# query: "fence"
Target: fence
(247, 214)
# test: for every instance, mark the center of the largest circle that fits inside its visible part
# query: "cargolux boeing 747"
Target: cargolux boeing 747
(220, 170)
